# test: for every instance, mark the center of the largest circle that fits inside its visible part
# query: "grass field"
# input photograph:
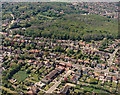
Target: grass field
(20, 76)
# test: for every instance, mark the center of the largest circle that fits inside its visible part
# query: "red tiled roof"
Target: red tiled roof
(114, 68)
(36, 51)
(103, 64)
(69, 64)
(114, 78)
(87, 45)
(4, 33)
(96, 74)
(80, 60)
(32, 50)
(30, 92)
(67, 57)
(14, 39)
(62, 64)
(86, 61)
(82, 43)
(17, 35)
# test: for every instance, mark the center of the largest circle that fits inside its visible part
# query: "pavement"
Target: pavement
(58, 82)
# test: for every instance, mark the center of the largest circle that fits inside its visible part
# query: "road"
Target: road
(58, 82)
(11, 22)
(95, 69)
(110, 60)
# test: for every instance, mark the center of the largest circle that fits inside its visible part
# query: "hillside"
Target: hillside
(76, 27)
(60, 21)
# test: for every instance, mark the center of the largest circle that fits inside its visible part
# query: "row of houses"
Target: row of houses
(52, 75)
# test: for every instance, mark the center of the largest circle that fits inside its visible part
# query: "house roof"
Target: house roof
(86, 61)
(17, 35)
(103, 64)
(30, 92)
(87, 45)
(69, 64)
(96, 74)
(67, 57)
(29, 61)
(114, 78)
(60, 67)
(82, 43)
(80, 60)
(20, 61)
(114, 68)
(62, 64)
(14, 39)
(108, 77)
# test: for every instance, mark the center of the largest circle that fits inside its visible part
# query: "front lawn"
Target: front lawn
(21, 75)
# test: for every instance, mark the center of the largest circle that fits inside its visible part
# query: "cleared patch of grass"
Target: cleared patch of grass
(20, 76)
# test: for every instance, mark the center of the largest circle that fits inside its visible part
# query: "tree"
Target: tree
(93, 81)
(28, 47)
(65, 79)
(28, 71)
(59, 49)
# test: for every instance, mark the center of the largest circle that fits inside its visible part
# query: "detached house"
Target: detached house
(80, 61)
(67, 58)
(114, 68)
(114, 79)
(108, 78)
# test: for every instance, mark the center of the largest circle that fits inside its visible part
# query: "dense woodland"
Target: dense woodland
(60, 21)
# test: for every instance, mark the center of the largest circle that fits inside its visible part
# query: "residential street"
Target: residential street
(110, 60)
(58, 82)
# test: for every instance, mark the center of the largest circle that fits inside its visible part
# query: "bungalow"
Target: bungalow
(30, 61)
(117, 61)
(101, 77)
(52, 55)
(17, 36)
(67, 58)
(114, 79)
(108, 78)
(80, 61)
(103, 66)
(86, 62)
(87, 45)
(29, 92)
(114, 68)
(96, 74)
(62, 64)
(69, 65)
(90, 73)
(73, 60)
(82, 44)
(20, 61)
(15, 40)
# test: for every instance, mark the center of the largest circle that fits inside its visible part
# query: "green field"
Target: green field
(20, 76)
